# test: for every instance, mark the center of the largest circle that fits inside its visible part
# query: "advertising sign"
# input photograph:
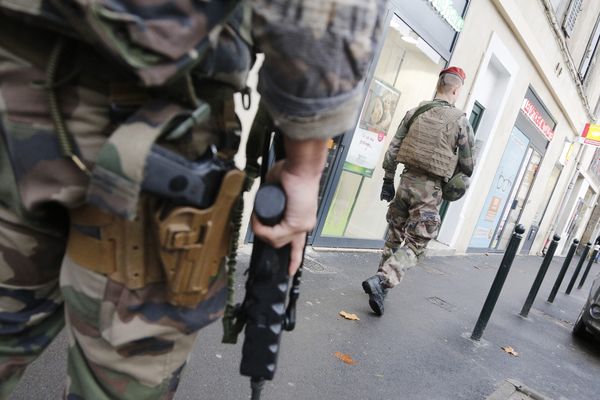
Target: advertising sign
(591, 134)
(500, 191)
(538, 120)
(448, 12)
(369, 138)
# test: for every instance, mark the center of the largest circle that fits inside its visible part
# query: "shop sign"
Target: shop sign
(446, 10)
(538, 120)
(591, 134)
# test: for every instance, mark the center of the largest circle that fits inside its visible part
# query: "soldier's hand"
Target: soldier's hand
(387, 190)
(300, 213)
(299, 175)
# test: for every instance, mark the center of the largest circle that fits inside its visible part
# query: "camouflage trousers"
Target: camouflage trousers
(413, 220)
(123, 344)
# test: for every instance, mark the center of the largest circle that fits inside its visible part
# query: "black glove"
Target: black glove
(387, 190)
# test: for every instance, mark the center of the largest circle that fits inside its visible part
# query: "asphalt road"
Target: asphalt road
(419, 350)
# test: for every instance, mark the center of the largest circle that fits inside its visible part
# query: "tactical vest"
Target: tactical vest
(431, 142)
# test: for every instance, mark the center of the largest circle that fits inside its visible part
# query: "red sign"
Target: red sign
(538, 120)
(591, 134)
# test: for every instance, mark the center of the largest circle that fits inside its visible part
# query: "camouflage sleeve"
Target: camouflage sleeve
(390, 162)
(466, 140)
(317, 53)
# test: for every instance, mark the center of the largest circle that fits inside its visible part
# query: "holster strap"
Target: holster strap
(194, 242)
(125, 251)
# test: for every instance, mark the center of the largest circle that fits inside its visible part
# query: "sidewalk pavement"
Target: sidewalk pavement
(419, 350)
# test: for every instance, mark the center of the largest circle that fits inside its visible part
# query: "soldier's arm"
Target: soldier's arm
(466, 140)
(311, 82)
(389, 160)
(316, 59)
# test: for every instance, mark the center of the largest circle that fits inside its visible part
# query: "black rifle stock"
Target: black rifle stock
(266, 292)
(264, 308)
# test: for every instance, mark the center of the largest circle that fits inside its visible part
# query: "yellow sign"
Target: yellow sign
(591, 134)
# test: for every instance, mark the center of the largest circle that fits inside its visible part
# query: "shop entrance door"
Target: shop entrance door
(513, 213)
(581, 209)
(541, 212)
(508, 195)
(502, 192)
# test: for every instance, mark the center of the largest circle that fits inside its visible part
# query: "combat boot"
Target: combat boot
(377, 291)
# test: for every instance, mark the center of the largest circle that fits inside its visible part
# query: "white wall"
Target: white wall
(513, 58)
(493, 84)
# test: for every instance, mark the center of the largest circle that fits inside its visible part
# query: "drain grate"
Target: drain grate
(316, 267)
(433, 271)
(442, 303)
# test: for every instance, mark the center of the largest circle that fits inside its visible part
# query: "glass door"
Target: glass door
(541, 212)
(501, 193)
(518, 202)
(583, 206)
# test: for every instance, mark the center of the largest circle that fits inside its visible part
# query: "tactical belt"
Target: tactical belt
(417, 171)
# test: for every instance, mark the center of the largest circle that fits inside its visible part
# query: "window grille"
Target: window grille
(571, 17)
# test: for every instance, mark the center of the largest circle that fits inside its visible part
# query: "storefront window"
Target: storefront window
(583, 206)
(508, 196)
(513, 213)
(539, 215)
(406, 74)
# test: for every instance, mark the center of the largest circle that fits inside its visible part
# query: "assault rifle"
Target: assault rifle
(263, 311)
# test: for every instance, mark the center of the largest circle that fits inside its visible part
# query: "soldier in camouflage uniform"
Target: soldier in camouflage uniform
(86, 88)
(434, 142)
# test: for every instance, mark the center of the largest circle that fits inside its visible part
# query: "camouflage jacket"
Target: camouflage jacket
(316, 51)
(465, 141)
(316, 55)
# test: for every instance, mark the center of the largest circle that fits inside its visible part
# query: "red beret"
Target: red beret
(456, 71)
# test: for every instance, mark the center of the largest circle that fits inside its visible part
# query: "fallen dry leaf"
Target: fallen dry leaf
(345, 358)
(351, 317)
(510, 351)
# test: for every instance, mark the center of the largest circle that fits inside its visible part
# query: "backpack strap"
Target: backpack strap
(424, 108)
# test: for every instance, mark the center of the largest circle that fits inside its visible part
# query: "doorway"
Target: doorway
(474, 120)
(508, 195)
(541, 212)
(513, 213)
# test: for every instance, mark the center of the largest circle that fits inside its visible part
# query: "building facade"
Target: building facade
(537, 86)
(533, 82)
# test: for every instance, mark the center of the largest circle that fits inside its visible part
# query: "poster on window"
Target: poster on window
(373, 126)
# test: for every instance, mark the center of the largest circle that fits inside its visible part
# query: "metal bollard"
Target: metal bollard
(586, 250)
(492, 298)
(535, 288)
(563, 271)
(589, 266)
